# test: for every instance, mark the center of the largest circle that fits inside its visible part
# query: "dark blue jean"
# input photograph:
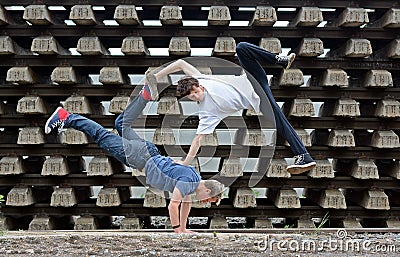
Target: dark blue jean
(129, 149)
(250, 56)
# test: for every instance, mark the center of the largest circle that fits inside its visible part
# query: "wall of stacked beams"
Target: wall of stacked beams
(341, 95)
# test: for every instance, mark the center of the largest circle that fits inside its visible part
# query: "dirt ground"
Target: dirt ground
(117, 243)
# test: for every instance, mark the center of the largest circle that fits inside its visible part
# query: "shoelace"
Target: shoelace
(298, 159)
(59, 124)
(281, 59)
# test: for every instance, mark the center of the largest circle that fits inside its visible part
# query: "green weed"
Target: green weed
(323, 221)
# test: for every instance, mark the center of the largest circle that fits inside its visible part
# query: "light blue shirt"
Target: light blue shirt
(162, 173)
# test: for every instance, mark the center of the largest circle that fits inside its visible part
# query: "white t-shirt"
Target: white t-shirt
(222, 99)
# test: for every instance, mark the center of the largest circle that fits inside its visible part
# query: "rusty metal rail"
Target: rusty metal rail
(106, 92)
(199, 3)
(113, 35)
(92, 149)
(137, 209)
(126, 179)
(136, 65)
(190, 122)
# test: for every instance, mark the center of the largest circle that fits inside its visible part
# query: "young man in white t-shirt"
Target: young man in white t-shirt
(219, 98)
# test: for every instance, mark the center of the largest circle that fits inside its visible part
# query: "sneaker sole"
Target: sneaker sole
(49, 119)
(301, 169)
(291, 59)
(152, 83)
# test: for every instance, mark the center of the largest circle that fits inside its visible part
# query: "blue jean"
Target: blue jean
(124, 121)
(250, 56)
(129, 149)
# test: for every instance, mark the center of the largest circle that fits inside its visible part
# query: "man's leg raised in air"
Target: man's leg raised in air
(129, 115)
(135, 107)
(250, 56)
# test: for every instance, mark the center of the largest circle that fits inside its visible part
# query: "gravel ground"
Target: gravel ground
(117, 243)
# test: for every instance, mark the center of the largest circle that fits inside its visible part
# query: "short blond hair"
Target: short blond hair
(217, 189)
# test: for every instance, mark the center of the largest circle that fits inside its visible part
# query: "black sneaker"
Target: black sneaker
(302, 163)
(285, 61)
(152, 83)
(56, 120)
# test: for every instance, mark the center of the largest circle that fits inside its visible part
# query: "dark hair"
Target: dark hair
(185, 85)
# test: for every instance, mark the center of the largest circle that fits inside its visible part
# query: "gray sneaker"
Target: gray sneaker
(152, 83)
(285, 61)
(302, 163)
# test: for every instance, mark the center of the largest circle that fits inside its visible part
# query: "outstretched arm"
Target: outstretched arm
(194, 148)
(179, 65)
(173, 209)
(206, 126)
(186, 205)
(179, 217)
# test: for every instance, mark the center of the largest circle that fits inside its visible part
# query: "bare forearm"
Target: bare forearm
(173, 210)
(194, 148)
(185, 210)
(178, 65)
